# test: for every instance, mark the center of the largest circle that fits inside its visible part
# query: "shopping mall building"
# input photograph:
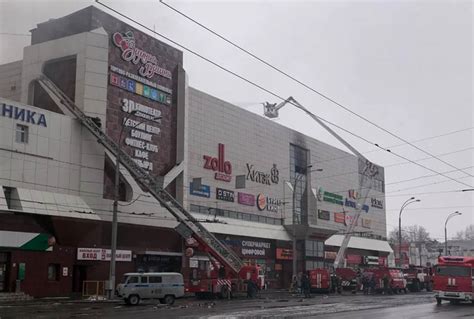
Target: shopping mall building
(234, 170)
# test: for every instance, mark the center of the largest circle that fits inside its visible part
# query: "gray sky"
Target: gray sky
(406, 65)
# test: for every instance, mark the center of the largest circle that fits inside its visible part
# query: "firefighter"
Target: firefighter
(338, 283)
(221, 272)
(251, 289)
(306, 285)
(294, 284)
(386, 282)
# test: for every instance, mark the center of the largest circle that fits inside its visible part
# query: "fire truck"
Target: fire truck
(419, 278)
(320, 280)
(397, 282)
(228, 273)
(454, 279)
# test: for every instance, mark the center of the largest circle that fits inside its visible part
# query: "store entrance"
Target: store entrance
(79, 275)
(3, 271)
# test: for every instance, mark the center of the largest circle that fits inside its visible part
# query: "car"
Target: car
(164, 286)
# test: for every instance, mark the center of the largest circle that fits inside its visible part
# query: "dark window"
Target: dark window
(133, 280)
(453, 271)
(21, 134)
(154, 280)
(53, 272)
(298, 171)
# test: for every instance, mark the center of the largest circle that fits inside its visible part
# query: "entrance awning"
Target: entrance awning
(29, 201)
(360, 243)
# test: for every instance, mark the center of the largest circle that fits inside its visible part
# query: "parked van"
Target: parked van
(165, 286)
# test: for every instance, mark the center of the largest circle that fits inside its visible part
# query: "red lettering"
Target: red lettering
(215, 164)
(207, 163)
(218, 164)
(227, 168)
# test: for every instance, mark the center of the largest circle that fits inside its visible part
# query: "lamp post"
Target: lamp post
(456, 213)
(293, 188)
(405, 204)
(115, 205)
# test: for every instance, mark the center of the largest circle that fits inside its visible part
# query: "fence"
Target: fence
(93, 288)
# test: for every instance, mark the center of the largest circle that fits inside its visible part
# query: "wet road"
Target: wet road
(419, 306)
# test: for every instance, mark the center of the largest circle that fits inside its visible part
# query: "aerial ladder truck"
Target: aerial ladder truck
(230, 274)
(368, 171)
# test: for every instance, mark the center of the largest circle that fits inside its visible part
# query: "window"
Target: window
(298, 170)
(453, 271)
(314, 248)
(133, 280)
(53, 272)
(154, 280)
(21, 134)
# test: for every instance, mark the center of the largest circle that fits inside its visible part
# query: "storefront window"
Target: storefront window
(314, 248)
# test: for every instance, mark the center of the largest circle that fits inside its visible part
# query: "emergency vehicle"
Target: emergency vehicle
(419, 278)
(397, 282)
(454, 279)
(320, 280)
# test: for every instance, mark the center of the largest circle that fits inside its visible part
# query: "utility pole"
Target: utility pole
(111, 288)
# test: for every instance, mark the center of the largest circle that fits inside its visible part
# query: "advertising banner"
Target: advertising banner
(284, 254)
(101, 254)
(225, 195)
(324, 214)
(203, 191)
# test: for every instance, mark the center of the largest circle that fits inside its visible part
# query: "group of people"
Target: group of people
(301, 284)
(369, 285)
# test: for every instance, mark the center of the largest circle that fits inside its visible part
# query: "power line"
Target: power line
(264, 89)
(311, 88)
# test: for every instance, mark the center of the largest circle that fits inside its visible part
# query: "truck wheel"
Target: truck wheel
(169, 299)
(133, 300)
(438, 301)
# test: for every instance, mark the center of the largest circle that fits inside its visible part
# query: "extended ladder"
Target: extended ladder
(188, 225)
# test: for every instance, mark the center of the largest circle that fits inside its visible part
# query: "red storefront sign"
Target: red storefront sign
(340, 218)
(284, 254)
(330, 255)
(219, 165)
(354, 259)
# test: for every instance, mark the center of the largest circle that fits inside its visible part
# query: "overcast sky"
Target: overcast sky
(406, 65)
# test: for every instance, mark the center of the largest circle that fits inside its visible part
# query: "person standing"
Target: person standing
(386, 282)
(306, 285)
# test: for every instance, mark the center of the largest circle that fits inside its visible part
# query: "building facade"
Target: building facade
(250, 181)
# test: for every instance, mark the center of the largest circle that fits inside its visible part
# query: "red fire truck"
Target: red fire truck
(320, 280)
(454, 279)
(419, 278)
(397, 282)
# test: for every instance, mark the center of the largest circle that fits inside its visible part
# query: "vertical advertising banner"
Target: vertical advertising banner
(142, 97)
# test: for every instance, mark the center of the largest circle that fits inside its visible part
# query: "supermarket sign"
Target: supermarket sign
(100, 254)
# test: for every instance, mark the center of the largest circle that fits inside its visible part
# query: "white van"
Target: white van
(165, 286)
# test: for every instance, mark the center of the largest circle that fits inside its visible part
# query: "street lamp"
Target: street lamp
(456, 213)
(115, 204)
(293, 189)
(405, 204)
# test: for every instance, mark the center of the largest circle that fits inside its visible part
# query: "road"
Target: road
(419, 306)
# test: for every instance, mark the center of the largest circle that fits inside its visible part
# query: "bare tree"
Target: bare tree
(467, 234)
(414, 233)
